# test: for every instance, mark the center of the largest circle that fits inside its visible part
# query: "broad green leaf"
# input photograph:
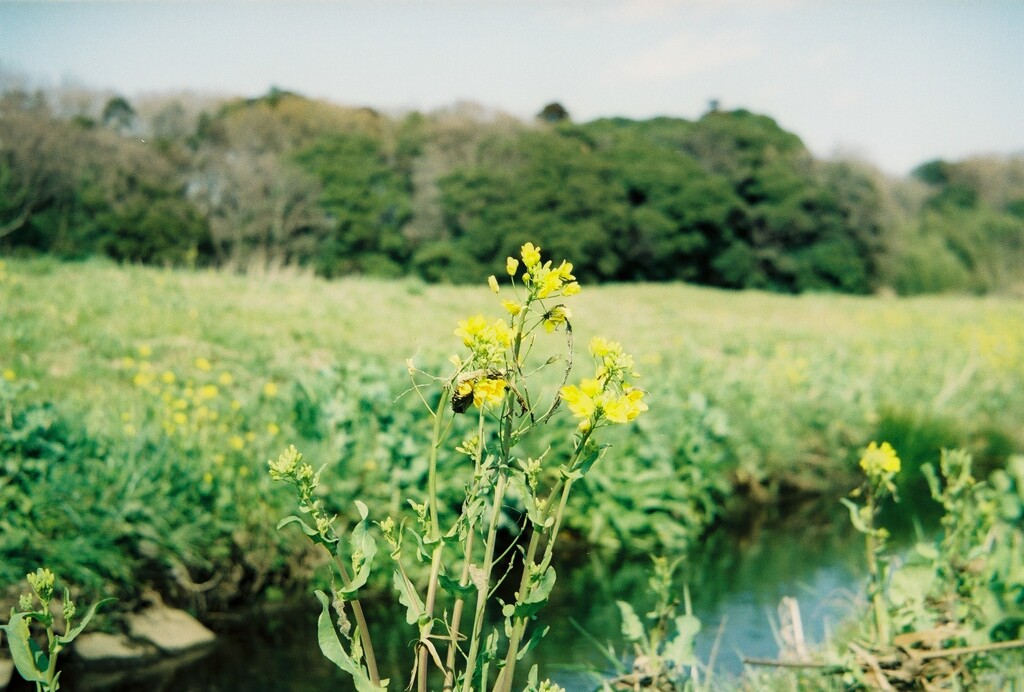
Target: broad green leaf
(632, 628)
(332, 649)
(408, 597)
(21, 644)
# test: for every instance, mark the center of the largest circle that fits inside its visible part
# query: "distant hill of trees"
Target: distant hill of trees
(729, 200)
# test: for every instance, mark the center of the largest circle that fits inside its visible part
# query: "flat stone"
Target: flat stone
(6, 671)
(170, 630)
(100, 647)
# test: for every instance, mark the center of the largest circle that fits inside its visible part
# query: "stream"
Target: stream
(736, 580)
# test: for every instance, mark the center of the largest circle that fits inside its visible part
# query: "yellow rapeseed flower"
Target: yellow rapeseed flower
(9, 375)
(167, 377)
(270, 390)
(512, 307)
(879, 460)
(208, 391)
(226, 379)
(236, 442)
(492, 281)
(273, 429)
(530, 255)
(203, 364)
(145, 351)
(489, 392)
(511, 266)
(556, 316)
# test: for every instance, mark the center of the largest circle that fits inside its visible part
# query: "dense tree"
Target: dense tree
(731, 199)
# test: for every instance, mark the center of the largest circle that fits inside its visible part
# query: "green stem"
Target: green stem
(434, 537)
(460, 602)
(875, 578)
(364, 629)
(481, 599)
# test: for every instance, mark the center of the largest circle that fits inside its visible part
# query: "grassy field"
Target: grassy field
(189, 381)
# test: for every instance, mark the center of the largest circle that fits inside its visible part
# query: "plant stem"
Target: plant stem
(873, 547)
(481, 599)
(434, 537)
(364, 629)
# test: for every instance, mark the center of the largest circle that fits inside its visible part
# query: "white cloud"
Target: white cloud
(687, 53)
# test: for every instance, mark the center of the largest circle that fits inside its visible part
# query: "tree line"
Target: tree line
(730, 199)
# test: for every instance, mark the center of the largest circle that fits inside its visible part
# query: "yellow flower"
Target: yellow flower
(145, 351)
(556, 316)
(226, 379)
(142, 379)
(549, 284)
(492, 281)
(207, 478)
(582, 400)
(270, 390)
(9, 375)
(470, 329)
(180, 418)
(530, 255)
(489, 392)
(167, 377)
(512, 307)
(511, 266)
(273, 429)
(236, 442)
(601, 347)
(570, 289)
(208, 391)
(203, 364)
(880, 460)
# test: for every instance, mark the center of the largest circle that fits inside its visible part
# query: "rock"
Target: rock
(170, 630)
(6, 671)
(100, 647)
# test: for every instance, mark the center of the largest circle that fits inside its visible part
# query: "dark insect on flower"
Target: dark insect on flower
(462, 399)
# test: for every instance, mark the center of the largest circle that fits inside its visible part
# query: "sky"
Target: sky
(893, 82)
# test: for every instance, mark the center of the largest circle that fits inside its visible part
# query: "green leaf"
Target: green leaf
(21, 644)
(532, 643)
(538, 595)
(454, 588)
(306, 528)
(361, 541)
(332, 649)
(408, 597)
(70, 636)
(855, 517)
(680, 647)
(632, 628)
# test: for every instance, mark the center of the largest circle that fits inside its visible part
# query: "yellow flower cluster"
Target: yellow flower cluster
(488, 341)
(542, 280)
(199, 409)
(486, 392)
(880, 461)
(606, 396)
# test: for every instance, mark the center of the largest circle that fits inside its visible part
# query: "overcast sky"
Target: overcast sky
(896, 82)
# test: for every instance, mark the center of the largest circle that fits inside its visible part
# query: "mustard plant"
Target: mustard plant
(880, 465)
(32, 662)
(495, 393)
